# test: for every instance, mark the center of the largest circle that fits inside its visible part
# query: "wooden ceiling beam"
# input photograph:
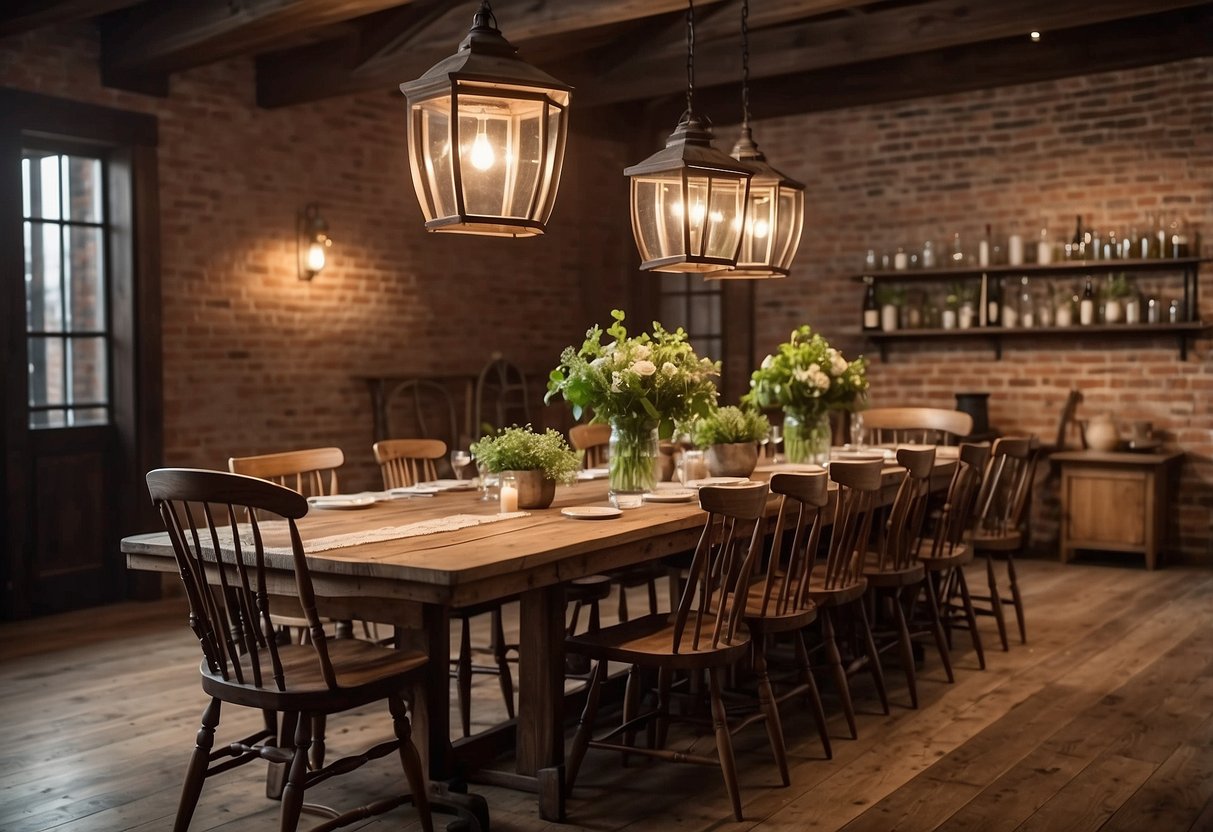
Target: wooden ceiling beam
(813, 45)
(18, 16)
(166, 36)
(1123, 44)
(318, 71)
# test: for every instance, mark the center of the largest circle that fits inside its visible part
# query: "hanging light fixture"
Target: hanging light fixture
(486, 136)
(689, 199)
(775, 206)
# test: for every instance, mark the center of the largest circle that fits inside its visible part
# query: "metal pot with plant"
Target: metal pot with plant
(731, 436)
(537, 460)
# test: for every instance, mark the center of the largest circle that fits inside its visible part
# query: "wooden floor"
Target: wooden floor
(1103, 721)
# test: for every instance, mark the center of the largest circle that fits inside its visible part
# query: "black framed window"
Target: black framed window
(66, 229)
(695, 305)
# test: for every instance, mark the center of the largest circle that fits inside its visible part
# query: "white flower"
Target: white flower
(598, 363)
(801, 375)
(668, 369)
(643, 368)
(616, 383)
(767, 362)
(642, 352)
(838, 364)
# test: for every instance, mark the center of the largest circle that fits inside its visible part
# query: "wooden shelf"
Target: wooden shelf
(996, 335)
(1066, 267)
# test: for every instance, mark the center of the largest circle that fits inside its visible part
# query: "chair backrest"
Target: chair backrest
(1006, 485)
(1066, 421)
(311, 472)
(714, 597)
(958, 513)
(404, 462)
(904, 529)
(431, 408)
(594, 439)
(920, 425)
(785, 584)
(221, 559)
(501, 395)
(851, 528)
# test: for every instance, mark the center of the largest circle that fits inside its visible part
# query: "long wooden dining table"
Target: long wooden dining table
(414, 582)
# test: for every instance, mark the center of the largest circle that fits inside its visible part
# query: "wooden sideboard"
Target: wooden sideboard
(1116, 502)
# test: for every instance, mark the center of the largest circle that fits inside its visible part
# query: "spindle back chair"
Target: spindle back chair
(594, 440)
(917, 425)
(312, 471)
(405, 462)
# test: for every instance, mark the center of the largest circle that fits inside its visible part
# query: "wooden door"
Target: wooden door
(76, 284)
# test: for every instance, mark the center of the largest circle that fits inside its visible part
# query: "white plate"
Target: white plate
(716, 481)
(789, 468)
(947, 452)
(342, 501)
(449, 485)
(593, 474)
(860, 456)
(590, 512)
(670, 495)
(413, 490)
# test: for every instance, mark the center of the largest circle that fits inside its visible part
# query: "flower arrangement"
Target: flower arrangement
(523, 449)
(641, 385)
(808, 378)
(644, 380)
(729, 426)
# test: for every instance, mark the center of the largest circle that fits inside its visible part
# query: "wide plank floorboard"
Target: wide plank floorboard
(1104, 720)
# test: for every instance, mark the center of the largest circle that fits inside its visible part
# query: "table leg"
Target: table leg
(540, 738)
(431, 694)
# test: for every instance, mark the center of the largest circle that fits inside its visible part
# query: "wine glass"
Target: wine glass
(857, 432)
(459, 460)
(776, 439)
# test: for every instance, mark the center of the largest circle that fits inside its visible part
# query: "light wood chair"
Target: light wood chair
(243, 664)
(311, 472)
(405, 462)
(837, 587)
(1002, 508)
(706, 633)
(894, 571)
(916, 425)
(947, 551)
(593, 439)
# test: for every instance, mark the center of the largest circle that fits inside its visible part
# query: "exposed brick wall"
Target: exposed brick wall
(1111, 147)
(257, 361)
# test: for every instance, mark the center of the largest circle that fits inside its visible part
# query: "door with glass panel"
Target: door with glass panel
(71, 441)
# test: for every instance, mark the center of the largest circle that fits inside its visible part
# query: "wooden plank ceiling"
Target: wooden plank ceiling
(805, 54)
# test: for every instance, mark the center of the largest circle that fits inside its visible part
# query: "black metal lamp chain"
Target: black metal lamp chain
(690, 56)
(745, 63)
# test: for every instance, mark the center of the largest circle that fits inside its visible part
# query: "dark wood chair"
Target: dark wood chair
(501, 394)
(425, 407)
(405, 462)
(778, 603)
(894, 571)
(838, 587)
(916, 425)
(244, 665)
(1002, 509)
(946, 552)
(706, 633)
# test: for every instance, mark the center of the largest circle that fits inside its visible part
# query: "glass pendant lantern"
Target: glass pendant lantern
(486, 136)
(775, 210)
(688, 200)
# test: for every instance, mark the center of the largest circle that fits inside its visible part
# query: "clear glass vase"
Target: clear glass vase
(806, 438)
(633, 464)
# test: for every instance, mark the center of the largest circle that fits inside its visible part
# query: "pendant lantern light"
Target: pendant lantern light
(775, 206)
(689, 199)
(486, 134)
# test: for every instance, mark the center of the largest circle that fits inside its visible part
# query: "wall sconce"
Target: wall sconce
(312, 241)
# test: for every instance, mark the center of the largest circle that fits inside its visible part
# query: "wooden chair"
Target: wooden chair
(1002, 508)
(433, 412)
(501, 394)
(779, 603)
(311, 472)
(837, 586)
(915, 425)
(894, 570)
(593, 439)
(946, 552)
(405, 462)
(705, 633)
(243, 663)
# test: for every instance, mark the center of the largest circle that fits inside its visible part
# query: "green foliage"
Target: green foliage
(807, 377)
(645, 380)
(729, 425)
(887, 293)
(522, 449)
(1118, 286)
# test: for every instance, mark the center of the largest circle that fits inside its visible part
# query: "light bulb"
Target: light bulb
(676, 209)
(698, 211)
(761, 228)
(483, 156)
(716, 216)
(315, 256)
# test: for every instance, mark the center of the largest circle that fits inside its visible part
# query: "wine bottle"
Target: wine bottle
(994, 303)
(1086, 306)
(983, 249)
(871, 309)
(1076, 243)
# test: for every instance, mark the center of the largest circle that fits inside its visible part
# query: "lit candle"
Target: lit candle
(509, 494)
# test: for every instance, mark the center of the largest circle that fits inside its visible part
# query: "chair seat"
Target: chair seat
(947, 559)
(771, 621)
(365, 673)
(649, 641)
(1012, 541)
(833, 597)
(891, 578)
